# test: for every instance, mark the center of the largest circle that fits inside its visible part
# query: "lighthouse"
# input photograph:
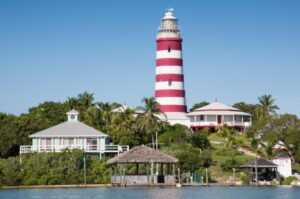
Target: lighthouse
(169, 85)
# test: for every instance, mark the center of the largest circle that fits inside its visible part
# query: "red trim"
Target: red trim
(199, 127)
(164, 44)
(169, 62)
(215, 110)
(169, 77)
(173, 108)
(235, 126)
(170, 93)
(169, 39)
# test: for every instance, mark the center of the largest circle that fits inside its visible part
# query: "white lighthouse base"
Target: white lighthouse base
(176, 118)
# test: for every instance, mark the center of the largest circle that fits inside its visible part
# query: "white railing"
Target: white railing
(25, 149)
(245, 124)
(87, 148)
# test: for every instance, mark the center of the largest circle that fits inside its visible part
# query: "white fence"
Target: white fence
(87, 148)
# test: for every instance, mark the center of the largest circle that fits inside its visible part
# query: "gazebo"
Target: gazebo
(152, 167)
(261, 170)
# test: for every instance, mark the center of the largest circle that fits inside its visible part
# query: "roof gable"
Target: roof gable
(69, 129)
(142, 154)
(217, 106)
(261, 163)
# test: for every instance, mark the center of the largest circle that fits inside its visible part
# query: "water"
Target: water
(157, 193)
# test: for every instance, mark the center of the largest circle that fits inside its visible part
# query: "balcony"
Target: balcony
(231, 124)
(88, 148)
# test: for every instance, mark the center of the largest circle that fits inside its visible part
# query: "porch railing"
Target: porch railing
(86, 148)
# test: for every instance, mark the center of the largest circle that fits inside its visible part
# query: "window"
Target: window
(238, 118)
(211, 118)
(91, 144)
(68, 141)
(228, 118)
(246, 118)
(45, 144)
(201, 117)
(169, 49)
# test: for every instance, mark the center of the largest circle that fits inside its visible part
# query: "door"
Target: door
(219, 119)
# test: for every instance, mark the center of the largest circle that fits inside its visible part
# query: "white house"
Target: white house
(72, 134)
(217, 114)
(284, 163)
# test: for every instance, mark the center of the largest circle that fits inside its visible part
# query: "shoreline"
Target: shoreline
(56, 186)
(111, 186)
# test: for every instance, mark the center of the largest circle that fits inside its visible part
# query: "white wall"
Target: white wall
(284, 166)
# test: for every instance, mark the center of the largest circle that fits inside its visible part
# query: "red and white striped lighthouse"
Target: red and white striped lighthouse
(169, 87)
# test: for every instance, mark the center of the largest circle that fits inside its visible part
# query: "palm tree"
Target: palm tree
(266, 106)
(230, 137)
(93, 117)
(85, 100)
(123, 121)
(148, 121)
(72, 103)
(106, 110)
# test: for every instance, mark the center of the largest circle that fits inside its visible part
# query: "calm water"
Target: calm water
(148, 193)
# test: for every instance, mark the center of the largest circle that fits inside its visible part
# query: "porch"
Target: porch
(116, 149)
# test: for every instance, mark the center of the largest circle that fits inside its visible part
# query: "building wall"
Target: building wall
(57, 144)
(284, 167)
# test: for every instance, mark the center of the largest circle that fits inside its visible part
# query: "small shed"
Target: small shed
(284, 162)
(261, 170)
(143, 165)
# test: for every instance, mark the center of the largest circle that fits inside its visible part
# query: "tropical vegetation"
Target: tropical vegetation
(220, 152)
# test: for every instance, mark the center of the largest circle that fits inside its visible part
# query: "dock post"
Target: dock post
(206, 176)
(233, 170)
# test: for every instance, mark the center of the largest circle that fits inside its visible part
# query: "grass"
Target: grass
(215, 137)
(296, 167)
(242, 138)
(216, 171)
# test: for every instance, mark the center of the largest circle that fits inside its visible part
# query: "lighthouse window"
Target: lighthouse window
(170, 82)
(169, 49)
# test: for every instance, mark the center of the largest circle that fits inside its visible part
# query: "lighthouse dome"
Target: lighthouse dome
(169, 14)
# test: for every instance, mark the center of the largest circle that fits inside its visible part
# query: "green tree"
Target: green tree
(9, 134)
(148, 121)
(199, 139)
(10, 171)
(106, 110)
(199, 105)
(72, 103)
(229, 135)
(190, 158)
(248, 108)
(85, 100)
(266, 106)
(285, 131)
(99, 172)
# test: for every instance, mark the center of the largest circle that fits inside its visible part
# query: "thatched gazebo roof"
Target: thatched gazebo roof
(142, 154)
(261, 163)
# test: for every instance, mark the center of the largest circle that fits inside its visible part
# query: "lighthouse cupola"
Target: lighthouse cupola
(168, 26)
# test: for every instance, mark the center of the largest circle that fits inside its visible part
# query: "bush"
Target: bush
(128, 138)
(245, 177)
(289, 180)
(200, 140)
(173, 137)
(52, 168)
(100, 173)
(190, 158)
(229, 164)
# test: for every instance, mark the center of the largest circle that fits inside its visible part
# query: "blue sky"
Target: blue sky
(233, 50)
